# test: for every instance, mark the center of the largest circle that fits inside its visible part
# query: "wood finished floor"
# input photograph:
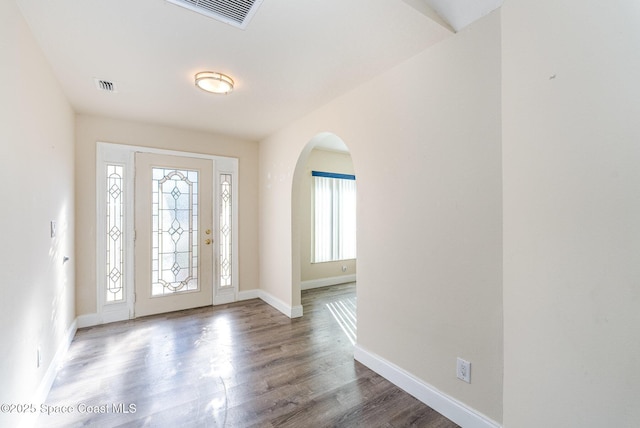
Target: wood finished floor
(238, 365)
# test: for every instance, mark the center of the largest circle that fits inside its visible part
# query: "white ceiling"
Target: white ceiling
(293, 57)
(461, 13)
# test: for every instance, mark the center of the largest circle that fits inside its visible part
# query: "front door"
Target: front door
(173, 229)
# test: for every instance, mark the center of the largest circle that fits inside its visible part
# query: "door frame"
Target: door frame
(124, 155)
(194, 230)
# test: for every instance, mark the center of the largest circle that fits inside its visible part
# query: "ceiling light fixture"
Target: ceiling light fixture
(216, 83)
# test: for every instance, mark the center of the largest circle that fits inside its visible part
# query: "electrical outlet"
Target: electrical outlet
(463, 370)
(38, 358)
(344, 268)
(53, 229)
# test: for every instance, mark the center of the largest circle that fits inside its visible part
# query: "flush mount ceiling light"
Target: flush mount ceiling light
(213, 82)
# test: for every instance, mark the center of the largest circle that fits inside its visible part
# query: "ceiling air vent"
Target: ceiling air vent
(105, 85)
(233, 12)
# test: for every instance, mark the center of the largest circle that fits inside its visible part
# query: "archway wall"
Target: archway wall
(425, 142)
(325, 159)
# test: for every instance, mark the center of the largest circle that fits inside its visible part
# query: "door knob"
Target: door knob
(207, 241)
(208, 231)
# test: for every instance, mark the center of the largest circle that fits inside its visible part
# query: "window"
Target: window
(114, 233)
(174, 220)
(334, 225)
(226, 228)
(115, 205)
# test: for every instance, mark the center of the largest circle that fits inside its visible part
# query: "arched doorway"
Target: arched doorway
(324, 152)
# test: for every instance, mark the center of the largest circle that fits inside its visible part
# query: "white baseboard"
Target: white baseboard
(51, 373)
(431, 396)
(296, 312)
(324, 282)
(88, 320)
(249, 294)
(271, 300)
(291, 312)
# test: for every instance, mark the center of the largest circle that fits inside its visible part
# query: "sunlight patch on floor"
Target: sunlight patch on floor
(344, 312)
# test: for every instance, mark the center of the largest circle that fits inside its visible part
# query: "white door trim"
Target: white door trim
(122, 154)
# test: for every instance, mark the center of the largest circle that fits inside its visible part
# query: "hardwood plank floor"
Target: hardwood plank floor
(238, 365)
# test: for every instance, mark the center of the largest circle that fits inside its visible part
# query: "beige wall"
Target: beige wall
(90, 129)
(425, 142)
(329, 161)
(571, 103)
(36, 168)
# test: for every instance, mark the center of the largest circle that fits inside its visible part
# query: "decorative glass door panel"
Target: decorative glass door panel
(174, 256)
(115, 234)
(226, 227)
(174, 263)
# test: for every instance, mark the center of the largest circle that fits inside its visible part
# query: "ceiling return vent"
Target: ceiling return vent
(233, 12)
(105, 85)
